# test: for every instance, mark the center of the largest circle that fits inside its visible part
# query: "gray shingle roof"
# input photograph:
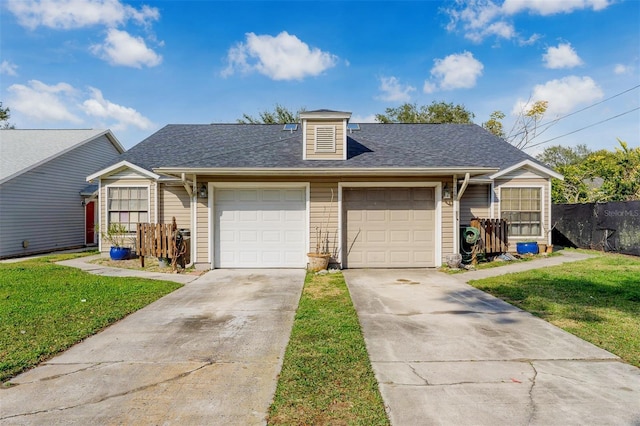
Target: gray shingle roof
(23, 149)
(374, 146)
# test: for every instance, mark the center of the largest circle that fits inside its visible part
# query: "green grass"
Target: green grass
(46, 308)
(326, 375)
(597, 299)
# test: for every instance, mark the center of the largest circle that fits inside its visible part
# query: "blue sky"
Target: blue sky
(135, 66)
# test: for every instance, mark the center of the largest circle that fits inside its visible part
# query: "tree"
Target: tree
(558, 156)
(526, 126)
(494, 124)
(435, 113)
(280, 115)
(5, 115)
(598, 176)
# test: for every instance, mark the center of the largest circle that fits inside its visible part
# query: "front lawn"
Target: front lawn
(597, 299)
(326, 376)
(46, 308)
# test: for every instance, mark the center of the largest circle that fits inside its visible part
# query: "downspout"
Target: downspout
(456, 216)
(183, 177)
(457, 196)
(463, 188)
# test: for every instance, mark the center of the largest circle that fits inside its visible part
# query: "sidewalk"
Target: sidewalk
(544, 262)
(93, 268)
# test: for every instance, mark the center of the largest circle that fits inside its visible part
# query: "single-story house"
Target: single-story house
(384, 195)
(45, 202)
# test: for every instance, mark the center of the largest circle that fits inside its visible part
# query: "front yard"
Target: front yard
(597, 299)
(46, 308)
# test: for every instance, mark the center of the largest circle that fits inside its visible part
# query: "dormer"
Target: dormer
(324, 134)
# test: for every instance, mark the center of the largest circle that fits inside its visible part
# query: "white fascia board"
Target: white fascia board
(376, 171)
(528, 163)
(324, 115)
(121, 165)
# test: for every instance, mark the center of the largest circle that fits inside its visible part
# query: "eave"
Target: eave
(340, 172)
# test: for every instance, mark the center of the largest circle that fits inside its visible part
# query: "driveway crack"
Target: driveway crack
(532, 402)
(413, 369)
(116, 395)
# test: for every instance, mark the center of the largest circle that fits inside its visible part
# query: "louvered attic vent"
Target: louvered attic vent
(325, 139)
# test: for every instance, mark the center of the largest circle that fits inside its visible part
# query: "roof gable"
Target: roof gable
(530, 165)
(22, 150)
(118, 167)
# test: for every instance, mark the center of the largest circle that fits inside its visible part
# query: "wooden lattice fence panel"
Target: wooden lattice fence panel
(493, 234)
(154, 239)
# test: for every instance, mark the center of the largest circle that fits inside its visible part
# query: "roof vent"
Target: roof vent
(353, 127)
(290, 127)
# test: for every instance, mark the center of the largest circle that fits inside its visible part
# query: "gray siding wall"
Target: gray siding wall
(43, 206)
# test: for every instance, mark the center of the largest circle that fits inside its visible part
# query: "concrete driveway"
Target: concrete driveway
(208, 353)
(445, 353)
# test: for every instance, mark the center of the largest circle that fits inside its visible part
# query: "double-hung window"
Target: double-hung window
(522, 208)
(128, 206)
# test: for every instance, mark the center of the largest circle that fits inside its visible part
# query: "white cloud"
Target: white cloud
(457, 71)
(283, 57)
(121, 48)
(67, 14)
(371, 118)
(479, 19)
(393, 91)
(562, 56)
(563, 95)
(8, 68)
(552, 7)
(621, 69)
(98, 106)
(43, 102)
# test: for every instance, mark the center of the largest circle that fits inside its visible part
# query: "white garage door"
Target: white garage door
(389, 227)
(260, 228)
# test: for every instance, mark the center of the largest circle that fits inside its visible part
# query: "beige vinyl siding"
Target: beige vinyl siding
(202, 230)
(311, 138)
(174, 202)
(319, 208)
(43, 205)
(323, 214)
(475, 202)
(139, 181)
(527, 178)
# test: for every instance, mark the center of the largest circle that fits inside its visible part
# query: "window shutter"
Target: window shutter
(325, 139)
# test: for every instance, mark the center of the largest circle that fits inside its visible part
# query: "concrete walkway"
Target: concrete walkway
(445, 353)
(208, 353)
(85, 264)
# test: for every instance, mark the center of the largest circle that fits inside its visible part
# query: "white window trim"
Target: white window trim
(543, 216)
(119, 185)
(438, 210)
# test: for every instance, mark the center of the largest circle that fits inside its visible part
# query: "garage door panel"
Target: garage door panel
(400, 236)
(260, 227)
(389, 227)
(400, 216)
(247, 195)
(376, 236)
(375, 215)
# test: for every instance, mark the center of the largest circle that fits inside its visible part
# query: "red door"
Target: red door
(90, 222)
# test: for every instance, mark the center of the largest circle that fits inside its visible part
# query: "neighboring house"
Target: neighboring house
(391, 195)
(45, 203)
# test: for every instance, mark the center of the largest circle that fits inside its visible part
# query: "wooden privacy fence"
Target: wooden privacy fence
(493, 234)
(154, 239)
